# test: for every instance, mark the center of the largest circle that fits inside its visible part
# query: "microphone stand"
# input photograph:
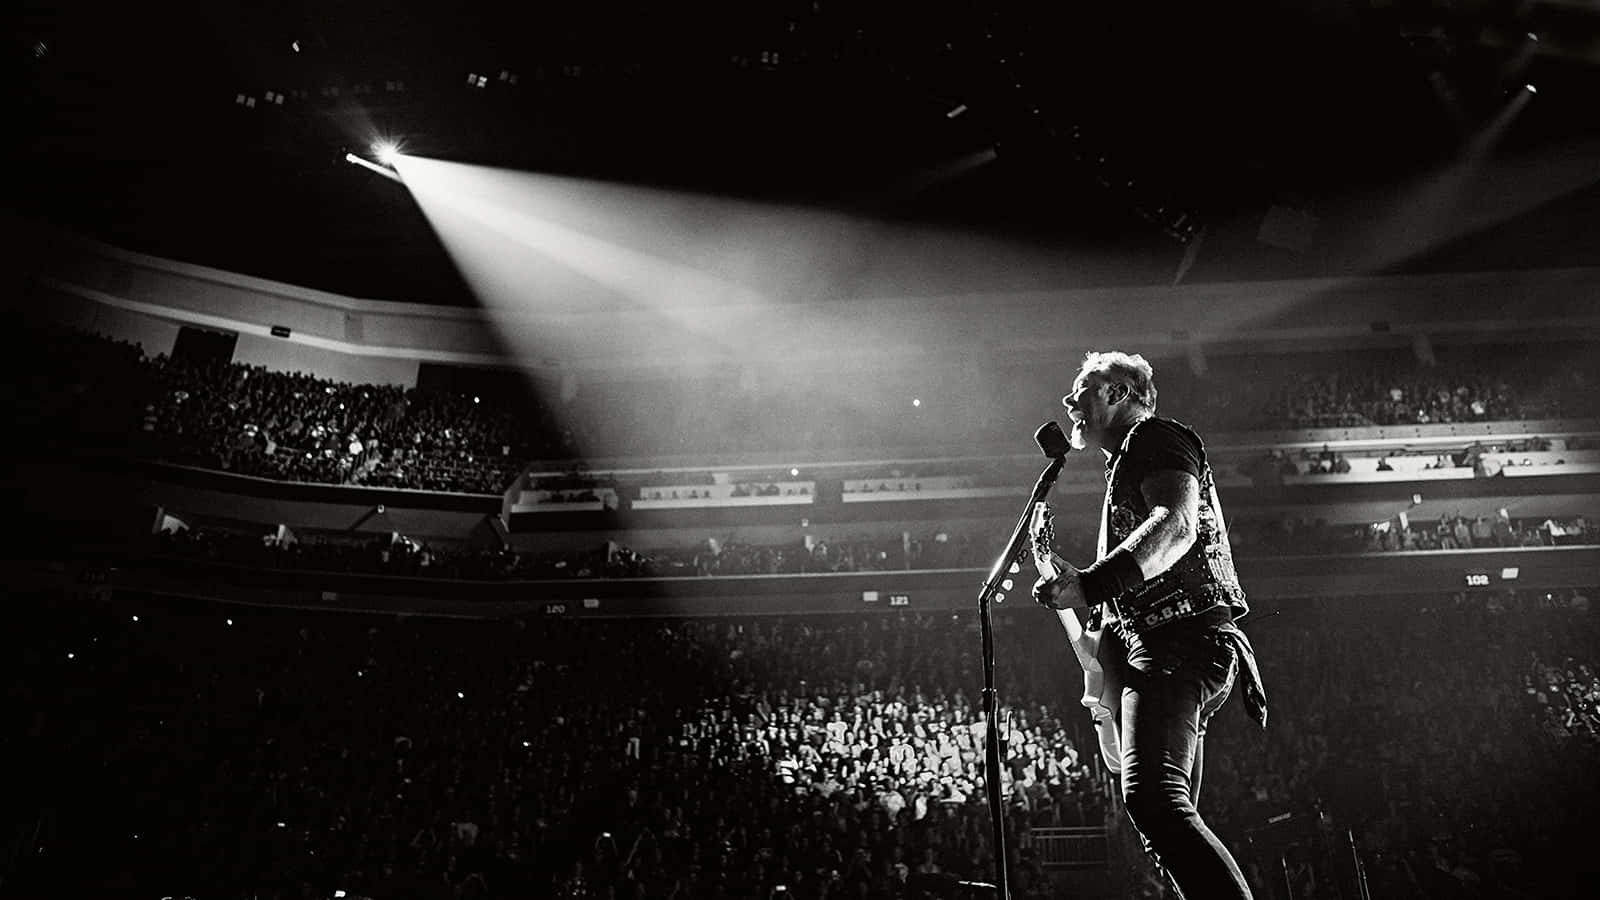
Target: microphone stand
(991, 698)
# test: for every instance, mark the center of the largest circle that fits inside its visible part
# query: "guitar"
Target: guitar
(1099, 652)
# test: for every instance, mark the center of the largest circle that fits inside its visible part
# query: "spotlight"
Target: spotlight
(370, 166)
(1530, 89)
(386, 152)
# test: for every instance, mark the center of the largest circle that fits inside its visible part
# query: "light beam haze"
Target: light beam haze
(601, 278)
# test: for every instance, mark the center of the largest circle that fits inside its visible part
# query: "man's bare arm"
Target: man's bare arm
(1162, 539)
(1173, 498)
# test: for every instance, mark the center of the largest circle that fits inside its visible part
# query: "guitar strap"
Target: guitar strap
(1216, 503)
(1095, 621)
(1100, 547)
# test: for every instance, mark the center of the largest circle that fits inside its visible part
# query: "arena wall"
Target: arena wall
(138, 297)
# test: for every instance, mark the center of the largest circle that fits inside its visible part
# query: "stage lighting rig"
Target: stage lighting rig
(386, 171)
(386, 152)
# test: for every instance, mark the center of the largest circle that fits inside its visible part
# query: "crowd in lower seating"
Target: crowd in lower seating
(233, 752)
(1567, 692)
(183, 748)
(1453, 735)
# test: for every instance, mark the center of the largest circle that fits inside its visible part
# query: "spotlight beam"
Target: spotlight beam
(367, 164)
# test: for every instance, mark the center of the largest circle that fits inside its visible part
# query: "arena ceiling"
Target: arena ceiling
(1110, 138)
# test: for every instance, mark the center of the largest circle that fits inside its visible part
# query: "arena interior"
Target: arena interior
(511, 451)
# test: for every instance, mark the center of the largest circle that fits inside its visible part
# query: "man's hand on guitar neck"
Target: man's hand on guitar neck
(1064, 590)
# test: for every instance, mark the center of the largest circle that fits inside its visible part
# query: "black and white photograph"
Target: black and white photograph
(800, 450)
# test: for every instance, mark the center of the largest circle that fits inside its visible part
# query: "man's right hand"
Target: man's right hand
(1061, 591)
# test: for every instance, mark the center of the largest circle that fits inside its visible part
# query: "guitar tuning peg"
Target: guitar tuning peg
(1016, 568)
(999, 598)
(1008, 584)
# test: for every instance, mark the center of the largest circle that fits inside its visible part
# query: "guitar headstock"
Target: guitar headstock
(1041, 526)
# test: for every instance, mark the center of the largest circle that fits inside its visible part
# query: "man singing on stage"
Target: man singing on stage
(1164, 583)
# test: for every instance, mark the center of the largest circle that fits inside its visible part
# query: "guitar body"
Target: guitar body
(1100, 652)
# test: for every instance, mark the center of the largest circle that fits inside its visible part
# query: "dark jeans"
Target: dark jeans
(1170, 691)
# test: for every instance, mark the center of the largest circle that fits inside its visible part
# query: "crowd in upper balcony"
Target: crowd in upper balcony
(295, 427)
(1358, 389)
(289, 426)
(254, 420)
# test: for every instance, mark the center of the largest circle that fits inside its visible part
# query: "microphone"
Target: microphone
(1052, 442)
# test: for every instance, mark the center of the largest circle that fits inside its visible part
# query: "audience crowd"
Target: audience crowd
(91, 391)
(1359, 389)
(295, 427)
(1452, 736)
(396, 554)
(1485, 459)
(177, 748)
(1567, 693)
(245, 753)
(1404, 533)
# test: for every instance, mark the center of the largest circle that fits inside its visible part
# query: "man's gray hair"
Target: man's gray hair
(1130, 370)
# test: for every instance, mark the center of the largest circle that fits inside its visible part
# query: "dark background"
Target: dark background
(124, 122)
